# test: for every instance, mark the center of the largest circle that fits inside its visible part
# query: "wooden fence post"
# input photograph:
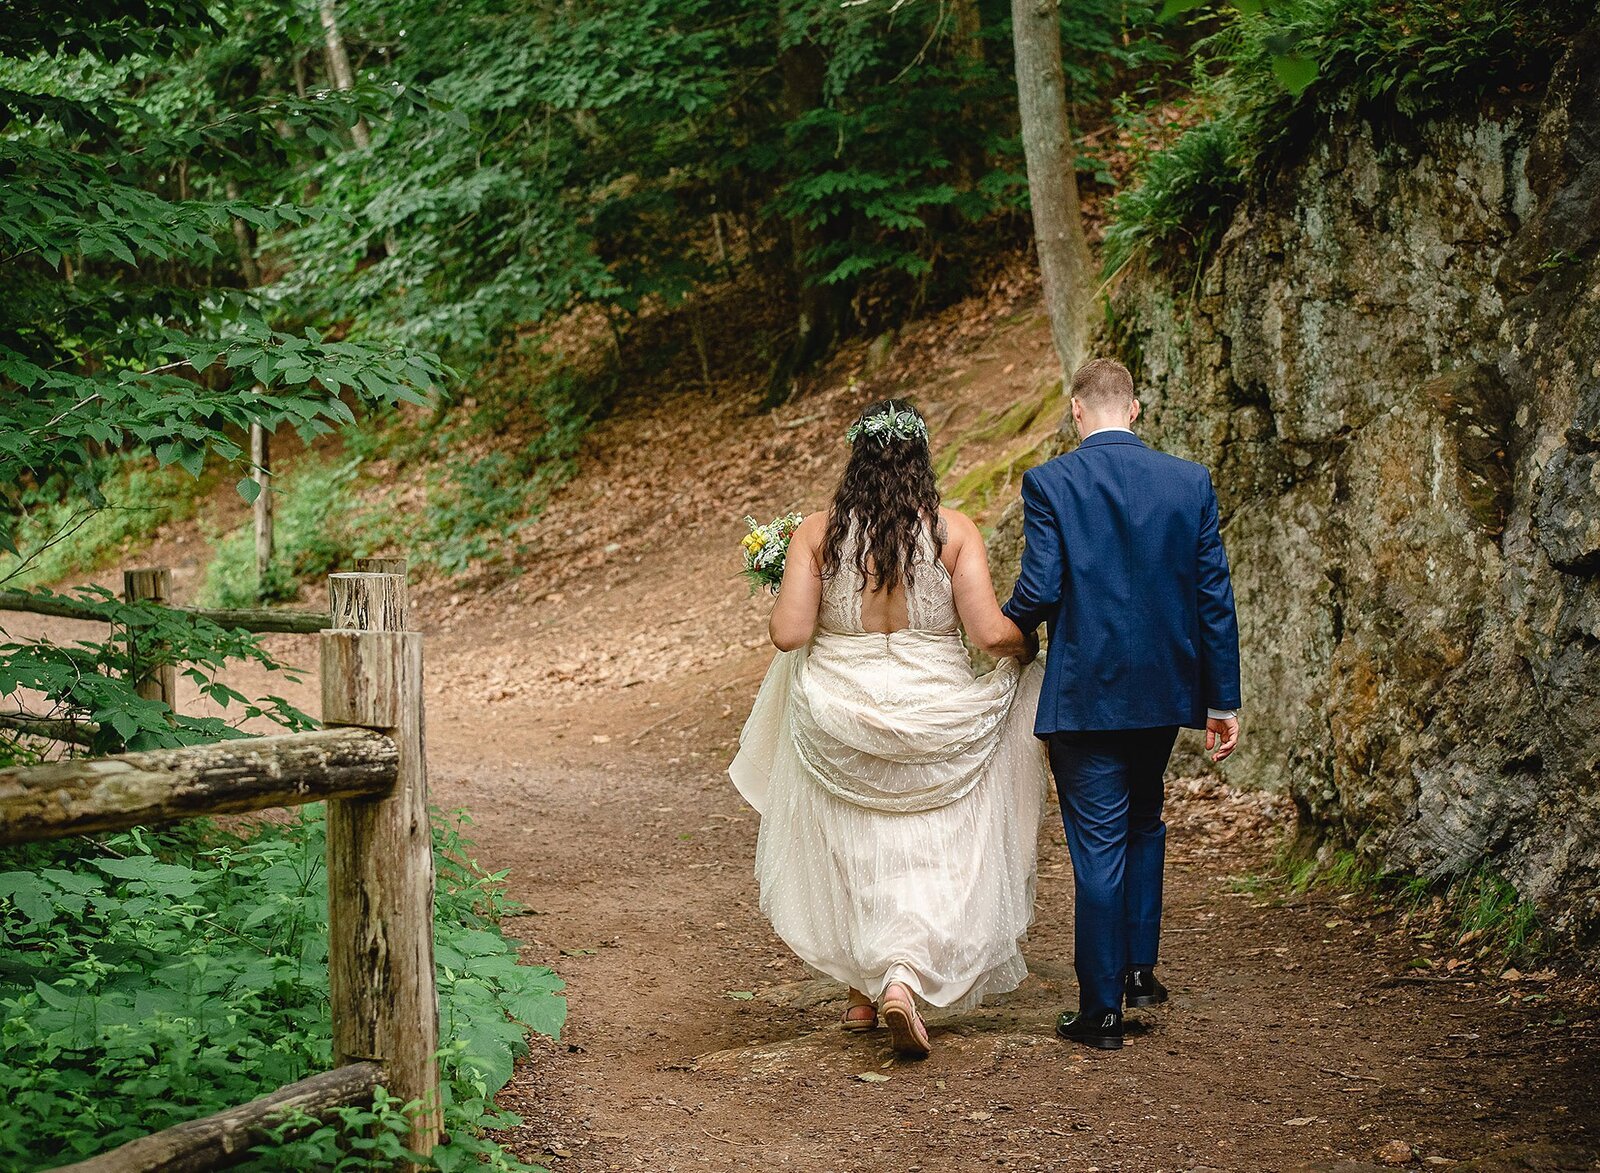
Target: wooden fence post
(381, 566)
(261, 457)
(156, 682)
(380, 853)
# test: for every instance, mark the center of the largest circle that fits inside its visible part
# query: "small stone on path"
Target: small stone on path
(1395, 1153)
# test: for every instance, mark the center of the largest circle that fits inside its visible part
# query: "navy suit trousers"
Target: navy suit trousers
(1110, 784)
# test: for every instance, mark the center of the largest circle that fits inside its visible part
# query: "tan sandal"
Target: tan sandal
(860, 1017)
(907, 1033)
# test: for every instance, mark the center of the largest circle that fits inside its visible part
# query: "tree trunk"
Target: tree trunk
(803, 69)
(967, 31)
(339, 65)
(1064, 261)
(246, 240)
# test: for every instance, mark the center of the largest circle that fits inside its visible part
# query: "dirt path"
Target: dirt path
(1288, 1040)
(584, 713)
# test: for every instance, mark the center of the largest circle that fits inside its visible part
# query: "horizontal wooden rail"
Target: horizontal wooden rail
(225, 1139)
(89, 795)
(256, 619)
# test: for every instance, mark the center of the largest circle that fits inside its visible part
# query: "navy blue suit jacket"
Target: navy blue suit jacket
(1124, 563)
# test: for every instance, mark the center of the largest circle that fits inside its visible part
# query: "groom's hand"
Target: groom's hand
(1222, 734)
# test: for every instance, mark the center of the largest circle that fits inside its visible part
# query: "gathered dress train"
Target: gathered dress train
(900, 798)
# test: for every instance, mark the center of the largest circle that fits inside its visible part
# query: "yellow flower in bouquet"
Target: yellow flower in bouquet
(766, 548)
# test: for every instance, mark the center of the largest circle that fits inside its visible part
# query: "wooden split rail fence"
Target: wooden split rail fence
(368, 765)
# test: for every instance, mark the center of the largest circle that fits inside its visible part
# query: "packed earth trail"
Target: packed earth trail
(1303, 1030)
(588, 730)
(583, 713)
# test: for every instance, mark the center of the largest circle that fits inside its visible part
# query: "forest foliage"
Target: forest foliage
(209, 218)
(1393, 62)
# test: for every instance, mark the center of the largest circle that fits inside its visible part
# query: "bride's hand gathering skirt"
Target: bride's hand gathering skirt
(900, 802)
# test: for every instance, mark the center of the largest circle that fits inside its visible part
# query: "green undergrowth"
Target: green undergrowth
(983, 484)
(61, 534)
(1478, 913)
(1255, 101)
(999, 424)
(511, 450)
(318, 522)
(485, 464)
(149, 978)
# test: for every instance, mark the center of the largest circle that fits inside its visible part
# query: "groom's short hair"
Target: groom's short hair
(1101, 383)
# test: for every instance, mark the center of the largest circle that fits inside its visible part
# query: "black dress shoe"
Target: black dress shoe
(1100, 1029)
(1143, 990)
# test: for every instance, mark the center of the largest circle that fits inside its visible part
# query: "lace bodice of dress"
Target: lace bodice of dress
(930, 604)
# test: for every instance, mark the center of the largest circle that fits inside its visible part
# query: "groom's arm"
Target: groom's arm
(1038, 590)
(1219, 624)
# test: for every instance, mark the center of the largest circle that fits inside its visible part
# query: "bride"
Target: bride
(900, 796)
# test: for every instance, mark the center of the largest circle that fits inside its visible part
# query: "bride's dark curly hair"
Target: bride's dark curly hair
(890, 492)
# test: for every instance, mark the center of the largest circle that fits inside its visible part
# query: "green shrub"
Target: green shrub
(1485, 904)
(1184, 198)
(154, 977)
(318, 526)
(1479, 902)
(60, 534)
(525, 432)
(1267, 73)
(474, 506)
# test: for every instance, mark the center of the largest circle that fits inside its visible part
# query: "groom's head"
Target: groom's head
(1102, 396)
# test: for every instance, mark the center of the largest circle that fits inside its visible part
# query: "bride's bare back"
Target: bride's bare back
(964, 592)
(884, 612)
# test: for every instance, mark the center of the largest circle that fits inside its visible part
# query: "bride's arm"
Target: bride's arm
(980, 613)
(794, 615)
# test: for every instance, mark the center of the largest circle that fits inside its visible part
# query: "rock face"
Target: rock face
(1392, 366)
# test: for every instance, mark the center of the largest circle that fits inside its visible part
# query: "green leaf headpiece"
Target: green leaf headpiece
(889, 425)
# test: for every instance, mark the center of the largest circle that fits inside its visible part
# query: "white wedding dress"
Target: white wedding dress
(900, 799)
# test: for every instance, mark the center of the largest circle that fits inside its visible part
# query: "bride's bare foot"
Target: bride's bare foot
(861, 1014)
(907, 1034)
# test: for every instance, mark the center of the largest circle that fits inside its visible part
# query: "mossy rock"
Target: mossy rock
(1002, 425)
(982, 486)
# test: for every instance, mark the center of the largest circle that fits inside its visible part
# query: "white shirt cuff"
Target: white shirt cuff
(1221, 714)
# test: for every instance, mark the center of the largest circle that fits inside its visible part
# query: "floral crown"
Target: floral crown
(888, 425)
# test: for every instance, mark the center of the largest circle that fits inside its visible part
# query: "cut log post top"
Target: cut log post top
(91, 795)
(368, 602)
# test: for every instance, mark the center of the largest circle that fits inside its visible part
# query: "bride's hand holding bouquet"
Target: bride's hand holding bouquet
(766, 549)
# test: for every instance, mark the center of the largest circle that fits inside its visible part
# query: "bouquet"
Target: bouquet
(766, 548)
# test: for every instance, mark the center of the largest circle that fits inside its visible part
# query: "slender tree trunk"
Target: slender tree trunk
(968, 31)
(1064, 260)
(803, 70)
(969, 161)
(339, 65)
(246, 241)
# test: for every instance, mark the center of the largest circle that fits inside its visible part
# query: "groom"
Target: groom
(1123, 561)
